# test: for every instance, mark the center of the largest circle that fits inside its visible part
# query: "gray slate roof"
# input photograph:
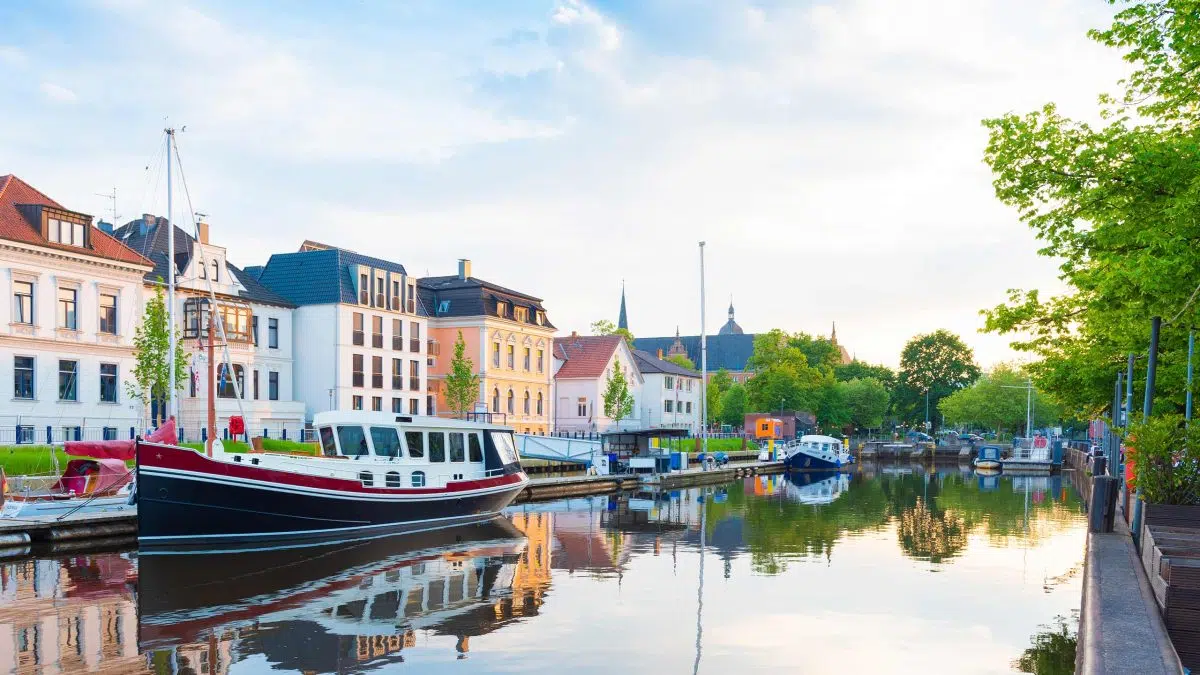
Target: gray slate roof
(730, 352)
(649, 363)
(473, 297)
(320, 277)
(151, 240)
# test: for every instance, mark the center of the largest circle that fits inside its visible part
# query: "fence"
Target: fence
(189, 431)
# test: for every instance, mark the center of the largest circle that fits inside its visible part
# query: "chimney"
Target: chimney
(464, 269)
(574, 335)
(660, 355)
(106, 228)
(202, 231)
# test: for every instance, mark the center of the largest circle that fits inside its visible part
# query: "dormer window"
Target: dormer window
(69, 232)
(501, 308)
(541, 318)
(216, 271)
(521, 314)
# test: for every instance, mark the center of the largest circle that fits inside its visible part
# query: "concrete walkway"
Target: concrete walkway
(1120, 628)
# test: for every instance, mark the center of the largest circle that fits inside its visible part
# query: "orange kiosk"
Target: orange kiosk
(769, 429)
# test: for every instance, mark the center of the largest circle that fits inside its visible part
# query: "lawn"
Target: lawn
(33, 460)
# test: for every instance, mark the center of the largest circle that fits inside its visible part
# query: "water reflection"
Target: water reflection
(790, 549)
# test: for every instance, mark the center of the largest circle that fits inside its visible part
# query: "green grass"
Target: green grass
(269, 445)
(714, 445)
(30, 460)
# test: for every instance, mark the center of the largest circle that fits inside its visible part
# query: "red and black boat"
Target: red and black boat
(376, 474)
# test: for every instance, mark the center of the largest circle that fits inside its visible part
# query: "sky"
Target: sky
(830, 153)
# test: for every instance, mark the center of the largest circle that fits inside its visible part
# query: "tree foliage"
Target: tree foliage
(1116, 203)
(733, 405)
(462, 383)
(860, 370)
(998, 401)
(782, 377)
(932, 366)
(618, 400)
(717, 386)
(865, 400)
(152, 379)
(682, 361)
(606, 327)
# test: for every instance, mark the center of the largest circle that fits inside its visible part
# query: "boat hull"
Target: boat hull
(187, 508)
(801, 461)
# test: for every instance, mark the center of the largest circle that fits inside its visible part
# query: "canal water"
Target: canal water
(896, 570)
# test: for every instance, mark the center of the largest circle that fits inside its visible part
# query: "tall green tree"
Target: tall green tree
(462, 382)
(606, 327)
(866, 401)
(718, 384)
(618, 400)
(932, 366)
(733, 406)
(860, 370)
(782, 377)
(998, 400)
(682, 361)
(820, 352)
(152, 378)
(1115, 202)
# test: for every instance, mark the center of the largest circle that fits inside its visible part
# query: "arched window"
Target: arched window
(418, 479)
(496, 400)
(526, 408)
(512, 402)
(392, 479)
(539, 403)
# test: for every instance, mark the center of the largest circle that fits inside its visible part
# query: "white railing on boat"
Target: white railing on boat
(349, 468)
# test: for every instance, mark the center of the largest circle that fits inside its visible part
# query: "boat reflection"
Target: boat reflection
(815, 487)
(320, 609)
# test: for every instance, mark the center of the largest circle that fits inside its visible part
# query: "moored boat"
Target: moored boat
(813, 452)
(988, 458)
(377, 474)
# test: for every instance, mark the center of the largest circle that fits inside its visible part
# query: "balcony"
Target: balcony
(397, 382)
(377, 381)
(414, 383)
(358, 338)
(414, 345)
(377, 340)
(356, 380)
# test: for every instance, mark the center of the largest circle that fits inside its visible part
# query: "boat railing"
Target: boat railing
(437, 473)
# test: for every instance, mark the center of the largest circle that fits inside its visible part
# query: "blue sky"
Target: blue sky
(830, 153)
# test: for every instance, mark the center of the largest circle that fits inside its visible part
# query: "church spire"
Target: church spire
(833, 335)
(622, 319)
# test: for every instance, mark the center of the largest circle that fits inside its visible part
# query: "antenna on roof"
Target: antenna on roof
(113, 197)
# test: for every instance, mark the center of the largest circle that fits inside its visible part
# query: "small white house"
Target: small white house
(582, 365)
(670, 393)
(73, 298)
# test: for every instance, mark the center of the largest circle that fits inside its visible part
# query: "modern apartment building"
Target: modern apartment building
(360, 331)
(73, 298)
(508, 339)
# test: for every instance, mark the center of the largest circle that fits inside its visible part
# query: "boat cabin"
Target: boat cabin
(989, 453)
(417, 451)
(823, 443)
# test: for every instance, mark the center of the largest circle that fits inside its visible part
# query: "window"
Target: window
(437, 446)
(192, 377)
(496, 400)
(25, 434)
(109, 433)
(397, 373)
(689, 407)
(541, 318)
(512, 350)
(495, 354)
(412, 299)
(512, 402)
(23, 377)
(395, 294)
(356, 370)
(418, 479)
(254, 383)
(528, 358)
(414, 336)
(377, 332)
(539, 403)
(364, 289)
(353, 440)
(398, 405)
(236, 319)
(377, 372)
(272, 332)
(414, 376)
(254, 330)
(225, 386)
(356, 402)
(541, 360)
(521, 314)
(474, 449)
(272, 385)
(108, 313)
(108, 383)
(397, 334)
(581, 407)
(68, 380)
(689, 385)
(216, 271)
(414, 406)
(356, 336)
(327, 444)
(377, 404)
(443, 307)
(415, 440)
(22, 302)
(458, 450)
(668, 406)
(501, 309)
(505, 448)
(203, 273)
(66, 308)
(669, 382)
(527, 400)
(380, 299)
(63, 232)
(392, 479)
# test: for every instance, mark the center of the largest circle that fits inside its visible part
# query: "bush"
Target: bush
(1166, 461)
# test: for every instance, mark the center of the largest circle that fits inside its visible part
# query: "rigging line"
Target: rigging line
(1185, 306)
(237, 389)
(155, 155)
(144, 202)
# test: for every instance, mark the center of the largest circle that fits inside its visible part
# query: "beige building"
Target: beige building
(508, 339)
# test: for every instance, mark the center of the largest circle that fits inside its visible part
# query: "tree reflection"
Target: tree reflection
(1052, 650)
(931, 535)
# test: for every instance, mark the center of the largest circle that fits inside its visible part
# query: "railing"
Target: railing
(398, 382)
(377, 381)
(358, 338)
(414, 344)
(398, 343)
(377, 340)
(414, 383)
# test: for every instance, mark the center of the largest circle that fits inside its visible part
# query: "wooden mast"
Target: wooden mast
(212, 378)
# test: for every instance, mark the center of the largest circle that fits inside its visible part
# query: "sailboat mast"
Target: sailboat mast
(171, 410)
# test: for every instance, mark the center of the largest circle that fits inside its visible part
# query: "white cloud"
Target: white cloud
(58, 93)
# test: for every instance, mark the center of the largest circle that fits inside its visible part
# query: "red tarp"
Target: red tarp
(122, 450)
(93, 476)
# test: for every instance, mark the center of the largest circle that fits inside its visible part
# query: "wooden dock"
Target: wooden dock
(698, 476)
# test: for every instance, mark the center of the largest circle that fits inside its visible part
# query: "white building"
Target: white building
(258, 331)
(73, 298)
(361, 338)
(582, 365)
(670, 393)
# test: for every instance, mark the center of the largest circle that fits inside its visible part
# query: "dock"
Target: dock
(698, 476)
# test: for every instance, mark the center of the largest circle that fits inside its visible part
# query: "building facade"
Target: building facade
(257, 382)
(508, 339)
(360, 331)
(582, 366)
(73, 298)
(670, 393)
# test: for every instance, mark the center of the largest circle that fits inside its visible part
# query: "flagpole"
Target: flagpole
(703, 363)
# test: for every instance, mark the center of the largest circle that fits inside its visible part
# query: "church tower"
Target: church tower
(622, 319)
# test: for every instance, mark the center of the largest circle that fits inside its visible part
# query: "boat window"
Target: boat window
(352, 440)
(392, 479)
(418, 479)
(328, 446)
(505, 448)
(367, 478)
(416, 443)
(458, 453)
(437, 446)
(386, 441)
(474, 448)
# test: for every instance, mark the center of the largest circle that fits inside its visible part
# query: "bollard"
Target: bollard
(1102, 508)
(1098, 463)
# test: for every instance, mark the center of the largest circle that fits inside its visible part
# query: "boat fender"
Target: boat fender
(237, 458)
(254, 461)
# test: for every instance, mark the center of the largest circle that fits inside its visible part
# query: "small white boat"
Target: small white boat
(813, 452)
(988, 458)
(96, 481)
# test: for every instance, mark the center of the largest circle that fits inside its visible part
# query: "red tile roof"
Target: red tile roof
(585, 355)
(14, 226)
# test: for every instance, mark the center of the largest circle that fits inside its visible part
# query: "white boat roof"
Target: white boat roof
(424, 421)
(815, 438)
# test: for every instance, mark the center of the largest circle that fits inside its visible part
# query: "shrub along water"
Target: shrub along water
(1166, 459)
